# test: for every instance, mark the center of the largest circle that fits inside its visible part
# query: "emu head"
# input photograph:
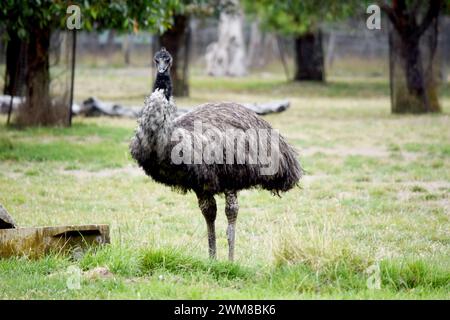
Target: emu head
(163, 60)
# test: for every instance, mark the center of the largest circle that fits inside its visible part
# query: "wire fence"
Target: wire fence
(349, 49)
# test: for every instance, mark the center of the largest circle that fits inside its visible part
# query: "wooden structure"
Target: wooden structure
(37, 241)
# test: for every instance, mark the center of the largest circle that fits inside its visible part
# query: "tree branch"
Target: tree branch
(415, 6)
(391, 14)
(432, 13)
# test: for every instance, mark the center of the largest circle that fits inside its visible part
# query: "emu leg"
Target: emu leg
(207, 205)
(231, 211)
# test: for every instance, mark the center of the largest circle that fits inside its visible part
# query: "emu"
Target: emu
(172, 151)
(163, 61)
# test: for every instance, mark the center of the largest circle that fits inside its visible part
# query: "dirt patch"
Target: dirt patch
(50, 139)
(341, 151)
(430, 186)
(105, 173)
(445, 204)
(413, 189)
(13, 175)
(314, 177)
(345, 151)
(98, 273)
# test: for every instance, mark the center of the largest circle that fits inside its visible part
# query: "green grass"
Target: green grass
(170, 274)
(375, 197)
(88, 146)
(334, 87)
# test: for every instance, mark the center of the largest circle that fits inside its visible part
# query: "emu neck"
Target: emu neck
(156, 123)
(164, 82)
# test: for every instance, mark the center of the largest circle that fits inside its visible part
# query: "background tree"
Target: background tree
(413, 54)
(227, 56)
(34, 21)
(176, 39)
(301, 19)
(15, 56)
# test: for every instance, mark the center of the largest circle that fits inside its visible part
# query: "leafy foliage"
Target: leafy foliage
(205, 7)
(298, 17)
(22, 15)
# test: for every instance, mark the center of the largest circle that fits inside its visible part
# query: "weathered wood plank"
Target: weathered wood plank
(38, 241)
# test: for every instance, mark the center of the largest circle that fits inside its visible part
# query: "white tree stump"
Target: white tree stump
(227, 57)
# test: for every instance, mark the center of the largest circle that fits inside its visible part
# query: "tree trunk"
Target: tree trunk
(175, 40)
(126, 47)
(254, 57)
(227, 56)
(38, 109)
(413, 72)
(309, 59)
(14, 72)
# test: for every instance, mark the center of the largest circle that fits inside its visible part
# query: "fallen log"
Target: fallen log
(268, 107)
(5, 103)
(259, 108)
(93, 107)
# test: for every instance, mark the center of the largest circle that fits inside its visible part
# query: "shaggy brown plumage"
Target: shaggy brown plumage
(160, 137)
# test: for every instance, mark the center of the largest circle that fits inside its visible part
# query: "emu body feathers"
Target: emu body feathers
(152, 148)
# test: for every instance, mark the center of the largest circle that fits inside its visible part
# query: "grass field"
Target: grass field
(374, 204)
